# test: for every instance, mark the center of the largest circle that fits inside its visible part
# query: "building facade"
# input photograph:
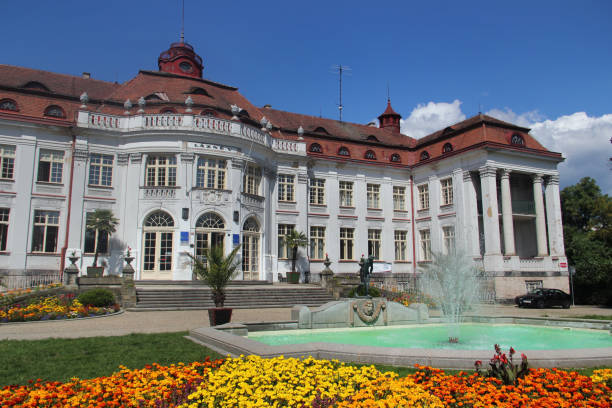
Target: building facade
(186, 163)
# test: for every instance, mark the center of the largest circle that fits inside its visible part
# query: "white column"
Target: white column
(553, 211)
(540, 216)
(490, 216)
(507, 213)
(470, 205)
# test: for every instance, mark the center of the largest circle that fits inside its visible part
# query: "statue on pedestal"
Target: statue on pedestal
(365, 270)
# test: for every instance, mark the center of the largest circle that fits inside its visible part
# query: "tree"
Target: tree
(587, 231)
(103, 222)
(295, 240)
(217, 271)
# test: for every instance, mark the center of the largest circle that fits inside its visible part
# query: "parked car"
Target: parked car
(542, 298)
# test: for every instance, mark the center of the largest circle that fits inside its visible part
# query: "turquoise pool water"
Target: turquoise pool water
(473, 336)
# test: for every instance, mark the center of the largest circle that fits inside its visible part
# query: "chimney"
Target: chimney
(267, 105)
(86, 75)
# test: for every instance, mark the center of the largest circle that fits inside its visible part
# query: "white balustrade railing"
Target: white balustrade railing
(288, 146)
(158, 192)
(209, 123)
(162, 121)
(100, 121)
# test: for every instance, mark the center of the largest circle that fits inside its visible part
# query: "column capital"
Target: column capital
(187, 157)
(136, 157)
(122, 159)
(237, 163)
(302, 178)
(505, 173)
(467, 175)
(553, 179)
(488, 171)
(537, 178)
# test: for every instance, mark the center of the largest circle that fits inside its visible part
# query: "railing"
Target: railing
(158, 192)
(163, 121)
(288, 146)
(97, 120)
(208, 123)
(30, 280)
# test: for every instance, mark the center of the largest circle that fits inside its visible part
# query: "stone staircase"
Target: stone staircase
(196, 296)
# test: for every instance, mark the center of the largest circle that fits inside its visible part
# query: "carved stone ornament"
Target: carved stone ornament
(368, 310)
(141, 104)
(215, 197)
(269, 126)
(235, 111)
(300, 133)
(189, 104)
(84, 99)
(127, 105)
(264, 123)
(122, 159)
(81, 155)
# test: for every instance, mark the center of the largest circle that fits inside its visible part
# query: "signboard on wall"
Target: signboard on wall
(563, 264)
(184, 237)
(236, 239)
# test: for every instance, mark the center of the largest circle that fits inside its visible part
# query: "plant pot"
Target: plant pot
(95, 271)
(293, 277)
(219, 315)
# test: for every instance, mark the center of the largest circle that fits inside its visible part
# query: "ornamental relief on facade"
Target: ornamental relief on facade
(214, 197)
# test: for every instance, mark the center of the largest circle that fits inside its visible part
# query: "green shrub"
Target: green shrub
(360, 291)
(97, 297)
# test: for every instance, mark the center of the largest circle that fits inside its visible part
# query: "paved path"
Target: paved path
(172, 321)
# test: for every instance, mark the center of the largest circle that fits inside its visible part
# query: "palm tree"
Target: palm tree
(217, 271)
(101, 221)
(295, 240)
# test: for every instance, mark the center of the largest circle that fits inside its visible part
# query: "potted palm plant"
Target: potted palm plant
(103, 222)
(216, 271)
(294, 240)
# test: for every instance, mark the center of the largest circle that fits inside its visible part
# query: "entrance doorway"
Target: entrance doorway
(157, 240)
(209, 233)
(250, 249)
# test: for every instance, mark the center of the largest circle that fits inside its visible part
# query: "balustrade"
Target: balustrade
(98, 120)
(158, 192)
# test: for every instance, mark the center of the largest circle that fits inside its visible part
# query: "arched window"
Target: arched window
(55, 112)
(209, 112)
(424, 155)
(168, 110)
(321, 129)
(447, 148)
(159, 219)
(9, 105)
(198, 91)
(372, 138)
(517, 140)
(210, 220)
(370, 155)
(395, 158)
(209, 233)
(343, 151)
(251, 225)
(250, 249)
(316, 148)
(154, 97)
(36, 85)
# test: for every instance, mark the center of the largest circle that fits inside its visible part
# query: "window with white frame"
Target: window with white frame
(286, 188)
(50, 166)
(423, 196)
(347, 242)
(100, 170)
(251, 180)
(425, 245)
(448, 234)
(7, 157)
(211, 173)
(400, 245)
(346, 193)
(399, 198)
(284, 252)
(374, 243)
(161, 171)
(45, 233)
(4, 224)
(317, 243)
(317, 191)
(94, 237)
(373, 195)
(446, 187)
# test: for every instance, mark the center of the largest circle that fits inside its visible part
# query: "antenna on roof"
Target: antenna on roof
(340, 69)
(183, 24)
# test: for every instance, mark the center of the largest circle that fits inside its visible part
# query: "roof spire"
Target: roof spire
(389, 118)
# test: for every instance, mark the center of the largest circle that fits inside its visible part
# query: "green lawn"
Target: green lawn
(61, 359)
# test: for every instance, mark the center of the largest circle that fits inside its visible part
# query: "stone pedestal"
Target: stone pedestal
(326, 274)
(128, 289)
(70, 276)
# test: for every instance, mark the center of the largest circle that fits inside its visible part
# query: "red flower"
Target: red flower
(512, 351)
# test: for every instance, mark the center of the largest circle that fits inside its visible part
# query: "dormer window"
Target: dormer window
(209, 112)
(321, 130)
(372, 138)
(395, 158)
(316, 148)
(198, 91)
(447, 130)
(8, 105)
(55, 112)
(168, 110)
(517, 140)
(343, 151)
(36, 85)
(370, 155)
(447, 148)
(156, 97)
(424, 155)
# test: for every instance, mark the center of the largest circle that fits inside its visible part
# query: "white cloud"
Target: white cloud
(524, 119)
(426, 119)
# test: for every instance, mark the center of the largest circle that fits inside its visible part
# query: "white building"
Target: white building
(185, 163)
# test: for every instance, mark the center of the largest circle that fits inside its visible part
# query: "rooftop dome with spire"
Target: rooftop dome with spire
(390, 119)
(181, 59)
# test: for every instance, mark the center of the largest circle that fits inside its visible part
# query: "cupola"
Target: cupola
(390, 119)
(181, 59)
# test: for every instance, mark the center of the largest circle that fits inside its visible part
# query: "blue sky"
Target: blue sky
(542, 64)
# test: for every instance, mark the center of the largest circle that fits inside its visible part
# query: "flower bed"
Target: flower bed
(52, 308)
(287, 382)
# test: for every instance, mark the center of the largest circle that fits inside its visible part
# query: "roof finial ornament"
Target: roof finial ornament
(189, 104)
(183, 24)
(127, 105)
(84, 99)
(269, 126)
(263, 123)
(300, 133)
(141, 104)
(235, 111)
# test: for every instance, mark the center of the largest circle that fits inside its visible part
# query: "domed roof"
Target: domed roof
(181, 59)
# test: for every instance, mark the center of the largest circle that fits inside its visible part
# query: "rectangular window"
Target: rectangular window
(373, 194)
(4, 224)
(286, 188)
(7, 158)
(317, 191)
(346, 193)
(446, 187)
(161, 171)
(211, 173)
(50, 166)
(401, 245)
(374, 243)
(449, 239)
(423, 196)
(101, 170)
(284, 252)
(399, 198)
(425, 245)
(347, 237)
(251, 180)
(94, 238)
(46, 228)
(317, 242)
